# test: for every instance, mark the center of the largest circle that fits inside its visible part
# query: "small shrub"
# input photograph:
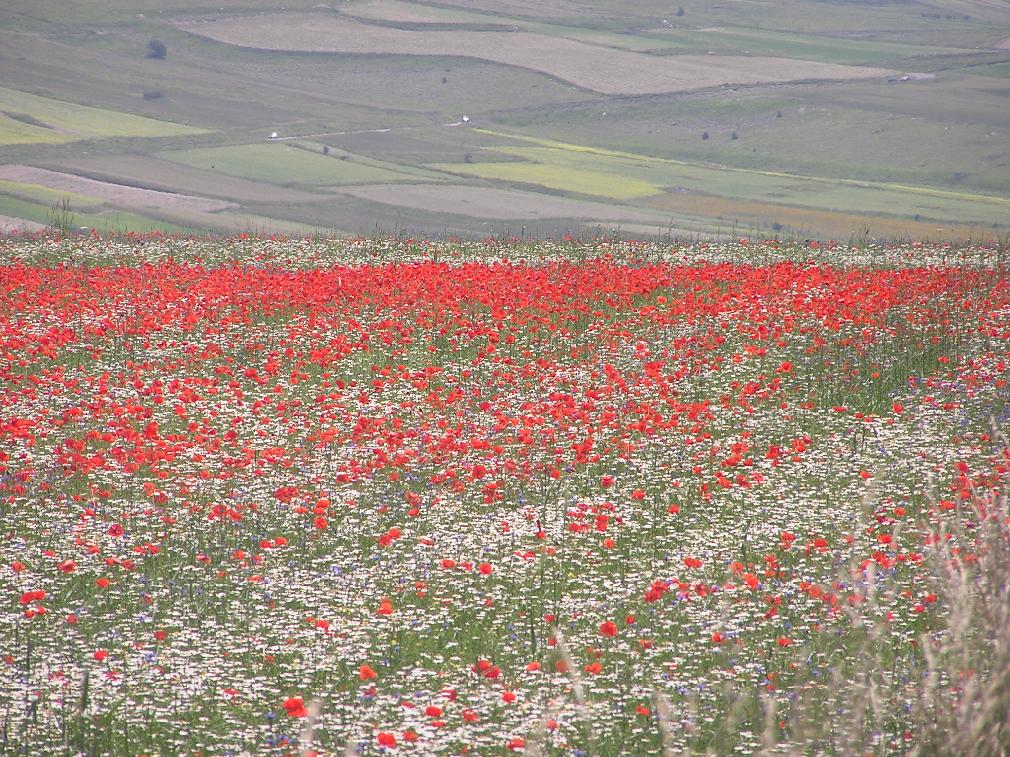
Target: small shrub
(156, 49)
(61, 217)
(704, 135)
(152, 94)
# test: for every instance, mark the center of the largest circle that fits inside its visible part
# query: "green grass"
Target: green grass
(996, 70)
(238, 221)
(588, 170)
(731, 40)
(315, 148)
(40, 193)
(36, 202)
(550, 170)
(944, 132)
(282, 163)
(69, 121)
(104, 221)
(84, 12)
(15, 131)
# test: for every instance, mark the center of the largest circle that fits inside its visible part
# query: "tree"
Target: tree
(156, 49)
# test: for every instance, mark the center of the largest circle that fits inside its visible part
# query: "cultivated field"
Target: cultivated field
(29, 118)
(601, 69)
(807, 222)
(490, 202)
(313, 496)
(625, 176)
(751, 104)
(554, 176)
(167, 176)
(283, 163)
(117, 194)
(528, 8)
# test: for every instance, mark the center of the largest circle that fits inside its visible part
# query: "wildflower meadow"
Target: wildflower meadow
(389, 496)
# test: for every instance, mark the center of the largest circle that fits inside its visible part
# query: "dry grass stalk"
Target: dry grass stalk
(308, 728)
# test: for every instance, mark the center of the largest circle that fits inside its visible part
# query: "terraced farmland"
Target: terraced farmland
(601, 69)
(799, 118)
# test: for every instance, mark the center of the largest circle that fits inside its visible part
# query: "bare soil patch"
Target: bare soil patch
(10, 225)
(118, 194)
(601, 69)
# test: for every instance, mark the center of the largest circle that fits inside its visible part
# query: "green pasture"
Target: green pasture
(16, 130)
(672, 38)
(621, 175)
(85, 11)
(883, 20)
(105, 220)
(945, 132)
(204, 84)
(552, 172)
(346, 156)
(40, 193)
(732, 40)
(241, 221)
(282, 163)
(996, 70)
(41, 204)
(68, 121)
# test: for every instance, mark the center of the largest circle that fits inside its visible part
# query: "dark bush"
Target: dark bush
(156, 49)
